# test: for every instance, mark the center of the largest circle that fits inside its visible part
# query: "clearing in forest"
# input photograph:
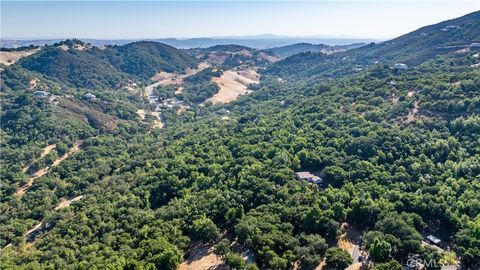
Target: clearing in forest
(233, 84)
(350, 241)
(67, 202)
(413, 113)
(46, 150)
(141, 113)
(157, 123)
(202, 258)
(166, 78)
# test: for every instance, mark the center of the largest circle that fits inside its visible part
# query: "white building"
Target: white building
(400, 66)
(89, 96)
(433, 240)
(475, 45)
(40, 94)
(309, 177)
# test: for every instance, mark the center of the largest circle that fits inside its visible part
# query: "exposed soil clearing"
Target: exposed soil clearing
(21, 191)
(202, 258)
(233, 84)
(67, 202)
(219, 57)
(354, 266)
(350, 241)
(157, 123)
(64, 47)
(141, 113)
(412, 114)
(179, 90)
(395, 100)
(30, 234)
(166, 78)
(9, 58)
(321, 265)
(45, 151)
(33, 83)
(269, 58)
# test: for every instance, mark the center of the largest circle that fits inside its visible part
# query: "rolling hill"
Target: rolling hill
(413, 48)
(145, 58)
(93, 67)
(426, 42)
(88, 183)
(73, 67)
(297, 48)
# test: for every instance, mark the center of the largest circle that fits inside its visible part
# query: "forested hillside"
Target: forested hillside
(80, 65)
(87, 184)
(297, 48)
(453, 36)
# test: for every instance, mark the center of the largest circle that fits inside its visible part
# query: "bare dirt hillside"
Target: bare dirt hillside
(202, 258)
(9, 58)
(233, 84)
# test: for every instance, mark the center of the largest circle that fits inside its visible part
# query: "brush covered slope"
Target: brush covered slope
(426, 42)
(297, 48)
(398, 152)
(457, 35)
(93, 67)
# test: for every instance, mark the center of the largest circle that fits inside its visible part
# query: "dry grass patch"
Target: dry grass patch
(202, 258)
(9, 58)
(233, 84)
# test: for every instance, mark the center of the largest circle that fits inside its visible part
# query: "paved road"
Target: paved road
(356, 253)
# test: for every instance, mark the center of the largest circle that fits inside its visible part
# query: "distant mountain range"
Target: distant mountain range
(257, 42)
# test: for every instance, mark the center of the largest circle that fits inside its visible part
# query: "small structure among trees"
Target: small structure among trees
(433, 240)
(40, 94)
(308, 176)
(400, 66)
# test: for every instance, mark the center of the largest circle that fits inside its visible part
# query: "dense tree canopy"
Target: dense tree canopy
(399, 161)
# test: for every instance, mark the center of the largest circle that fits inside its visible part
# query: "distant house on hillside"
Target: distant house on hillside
(40, 94)
(475, 45)
(400, 66)
(89, 96)
(309, 177)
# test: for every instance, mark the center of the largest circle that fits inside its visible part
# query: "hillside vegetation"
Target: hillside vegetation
(398, 152)
(96, 68)
(297, 48)
(412, 48)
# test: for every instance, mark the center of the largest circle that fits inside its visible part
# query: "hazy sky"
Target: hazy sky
(157, 19)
